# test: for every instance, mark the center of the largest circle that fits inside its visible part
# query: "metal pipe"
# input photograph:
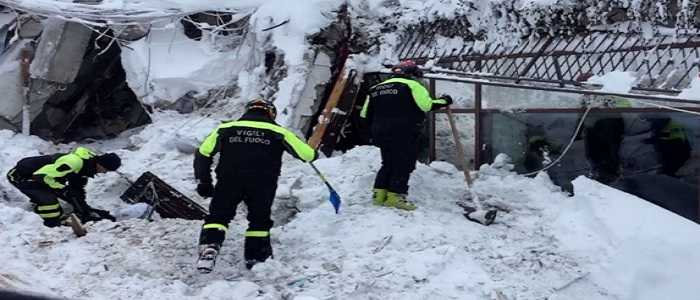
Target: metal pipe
(25, 62)
(478, 79)
(477, 126)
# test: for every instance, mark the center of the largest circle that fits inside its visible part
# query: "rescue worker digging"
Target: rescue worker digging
(48, 178)
(396, 110)
(250, 158)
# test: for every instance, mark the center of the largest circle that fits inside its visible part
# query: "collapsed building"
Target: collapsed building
(530, 82)
(67, 78)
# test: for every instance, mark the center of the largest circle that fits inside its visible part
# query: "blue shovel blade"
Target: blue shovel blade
(335, 200)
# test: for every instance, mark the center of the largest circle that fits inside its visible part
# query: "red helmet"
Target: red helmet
(407, 67)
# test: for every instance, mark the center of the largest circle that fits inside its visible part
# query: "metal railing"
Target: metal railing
(663, 63)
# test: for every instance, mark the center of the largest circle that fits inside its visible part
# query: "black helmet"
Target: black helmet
(260, 104)
(109, 161)
(407, 68)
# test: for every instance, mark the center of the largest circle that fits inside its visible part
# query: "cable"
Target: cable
(571, 142)
(93, 14)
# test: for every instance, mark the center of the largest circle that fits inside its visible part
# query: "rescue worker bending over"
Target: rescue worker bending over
(396, 110)
(250, 158)
(45, 179)
(671, 143)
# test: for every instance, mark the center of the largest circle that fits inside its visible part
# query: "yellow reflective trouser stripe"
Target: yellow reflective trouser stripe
(257, 233)
(50, 215)
(215, 226)
(48, 207)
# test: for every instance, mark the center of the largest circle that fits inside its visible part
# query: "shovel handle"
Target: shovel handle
(460, 148)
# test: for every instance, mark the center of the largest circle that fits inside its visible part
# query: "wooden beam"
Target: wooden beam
(325, 118)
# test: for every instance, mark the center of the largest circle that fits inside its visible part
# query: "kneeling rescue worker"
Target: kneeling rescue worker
(45, 179)
(250, 158)
(396, 110)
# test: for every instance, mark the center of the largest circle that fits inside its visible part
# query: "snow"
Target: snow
(598, 244)
(615, 81)
(647, 253)
(693, 91)
(167, 65)
(125, 11)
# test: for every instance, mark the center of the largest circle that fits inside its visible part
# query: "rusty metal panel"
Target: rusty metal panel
(168, 202)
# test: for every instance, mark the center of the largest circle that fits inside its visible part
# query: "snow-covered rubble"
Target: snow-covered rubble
(598, 244)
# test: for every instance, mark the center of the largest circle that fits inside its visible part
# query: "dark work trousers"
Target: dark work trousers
(673, 154)
(257, 192)
(44, 198)
(603, 142)
(399, 155)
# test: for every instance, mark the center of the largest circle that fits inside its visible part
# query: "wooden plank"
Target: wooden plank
(342, 113)
(325, 118)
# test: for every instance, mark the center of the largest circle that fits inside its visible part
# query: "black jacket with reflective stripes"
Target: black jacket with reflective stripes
(397, 106)
(253, 144)
(64, 173)
(58, 171)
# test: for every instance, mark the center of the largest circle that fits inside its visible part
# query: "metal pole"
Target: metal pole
(25, 61)
(477, 126)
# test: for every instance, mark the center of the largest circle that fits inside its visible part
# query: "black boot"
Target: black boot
(256, 250)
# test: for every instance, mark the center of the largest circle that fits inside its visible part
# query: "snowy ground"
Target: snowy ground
(599, 244)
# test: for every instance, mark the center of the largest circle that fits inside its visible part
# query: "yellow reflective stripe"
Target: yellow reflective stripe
(50, 215)
(420, 94)
(51, 172)
(11, 174)
(52, 183)
(303, 150)
(257, 233)
(209, 144)
(439, 101)
(215, 226)
(48, 207)
(84, 153)
(621, 102)
(363, 112)
(673, 131)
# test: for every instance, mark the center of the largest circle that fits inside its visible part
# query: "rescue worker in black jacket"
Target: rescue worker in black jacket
(45, 179)
(396, 110)
(250, 158)
(670, 140)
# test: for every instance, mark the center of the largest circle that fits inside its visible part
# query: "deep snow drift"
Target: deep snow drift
(599, 244)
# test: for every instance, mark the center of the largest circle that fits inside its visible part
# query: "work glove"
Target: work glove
(448, 99)
(96, 215)
(76, 198)
(205, 189)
